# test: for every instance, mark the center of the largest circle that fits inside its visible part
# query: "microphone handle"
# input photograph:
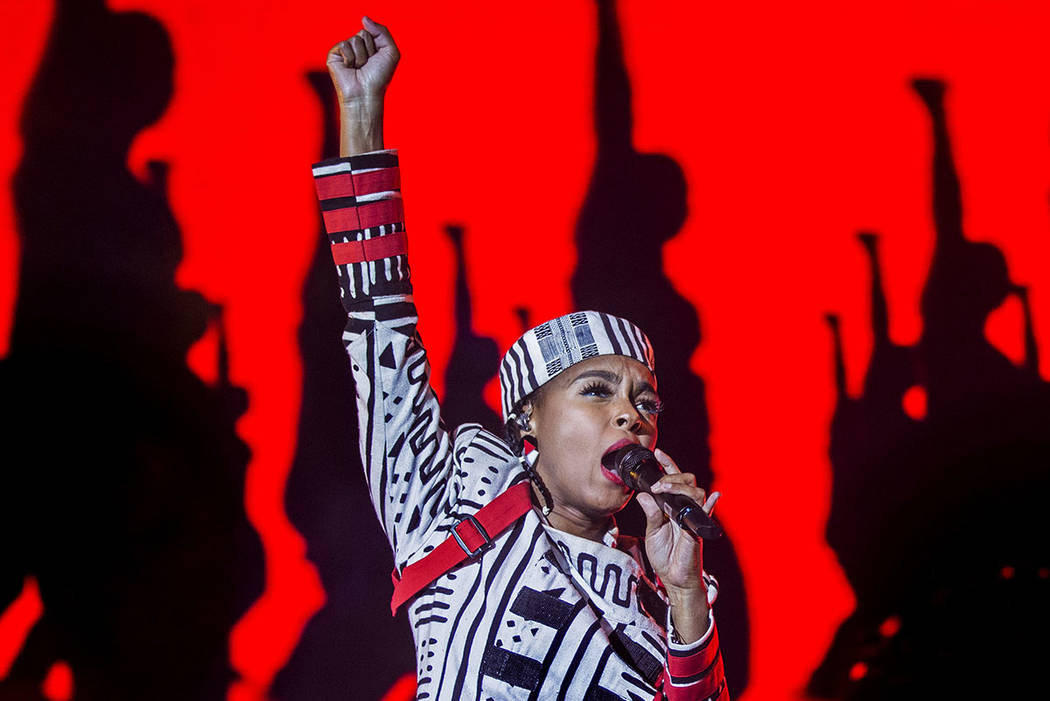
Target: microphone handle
(688, 515)
(681, 509)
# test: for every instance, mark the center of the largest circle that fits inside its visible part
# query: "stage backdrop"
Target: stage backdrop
(831, 218)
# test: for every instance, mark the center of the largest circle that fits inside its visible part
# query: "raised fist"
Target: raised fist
(362, 66)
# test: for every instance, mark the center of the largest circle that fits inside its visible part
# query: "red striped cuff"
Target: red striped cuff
(375, 248)
(701, 688)
(696, 672)
(689, 664)
(364, 216)
(351, 184)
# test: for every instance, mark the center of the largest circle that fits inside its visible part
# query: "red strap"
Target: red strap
(495, 517)
(375, 248)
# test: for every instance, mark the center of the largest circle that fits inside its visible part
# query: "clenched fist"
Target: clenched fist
(361, 67)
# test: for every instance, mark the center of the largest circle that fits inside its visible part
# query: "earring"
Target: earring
(522, 422)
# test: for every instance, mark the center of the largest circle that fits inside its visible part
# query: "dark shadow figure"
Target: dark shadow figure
(635, 203)
(524, 318)
(872, 441)
(941, 529)
(474, 361)
(967, 282)
(872, 448)
(122, 486)
(351, 648)
(1030, 363)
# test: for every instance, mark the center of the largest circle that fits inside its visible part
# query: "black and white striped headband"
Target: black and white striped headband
(544, 351)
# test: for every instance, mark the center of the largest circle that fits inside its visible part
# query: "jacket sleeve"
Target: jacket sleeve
(694, 671)
(405, 449)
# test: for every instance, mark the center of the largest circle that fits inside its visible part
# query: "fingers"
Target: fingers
(355, 51)
(336, 55)
(684, 483)
(360, 51)
(678, 482)
(370, 43)
(381, 34)
(679, 478)
(664, 459)
(342, 54)
(654, 516)
(685, 486)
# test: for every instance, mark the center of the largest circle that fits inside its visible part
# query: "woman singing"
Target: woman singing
(517, 582)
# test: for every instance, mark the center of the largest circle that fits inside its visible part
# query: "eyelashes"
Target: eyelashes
(597, 388)
(651, 407)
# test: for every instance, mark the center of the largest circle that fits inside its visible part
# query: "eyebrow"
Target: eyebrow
(610, 377)
(602, 374)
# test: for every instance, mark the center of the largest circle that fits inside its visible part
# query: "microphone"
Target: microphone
(640, 470)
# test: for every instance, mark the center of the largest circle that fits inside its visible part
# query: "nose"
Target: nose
(628, 418)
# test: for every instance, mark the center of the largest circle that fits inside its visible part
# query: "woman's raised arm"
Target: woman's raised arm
(406, 452)
(361, 68)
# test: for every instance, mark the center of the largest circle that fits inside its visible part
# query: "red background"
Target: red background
(794, 125)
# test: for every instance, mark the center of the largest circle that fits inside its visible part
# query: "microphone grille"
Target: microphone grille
(625, 461)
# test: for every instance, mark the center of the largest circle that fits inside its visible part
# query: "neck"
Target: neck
(572, 521)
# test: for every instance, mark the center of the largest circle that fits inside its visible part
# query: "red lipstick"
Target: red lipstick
(610, 474)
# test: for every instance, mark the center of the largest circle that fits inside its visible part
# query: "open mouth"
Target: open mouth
(607, 467)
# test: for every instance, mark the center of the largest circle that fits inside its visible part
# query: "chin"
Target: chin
(612, 507)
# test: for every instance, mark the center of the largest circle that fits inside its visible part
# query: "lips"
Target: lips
(610, 474)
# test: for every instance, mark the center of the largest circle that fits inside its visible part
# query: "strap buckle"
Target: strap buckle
(481, 548)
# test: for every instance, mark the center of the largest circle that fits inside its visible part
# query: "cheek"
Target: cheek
(571, 437)
(584, 424)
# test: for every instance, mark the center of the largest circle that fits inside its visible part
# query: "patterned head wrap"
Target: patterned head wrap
(544, 351)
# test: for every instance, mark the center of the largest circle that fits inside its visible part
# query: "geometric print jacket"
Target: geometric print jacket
(542, 614)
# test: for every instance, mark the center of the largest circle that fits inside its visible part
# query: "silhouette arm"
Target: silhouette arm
(463, 306)
(880, 316)
(1031, 347)
(612, 86)
(947, 194)
(840, 362)
(947, 197)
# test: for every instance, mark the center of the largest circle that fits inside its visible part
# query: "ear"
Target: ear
(527, 409)
(528, 428)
